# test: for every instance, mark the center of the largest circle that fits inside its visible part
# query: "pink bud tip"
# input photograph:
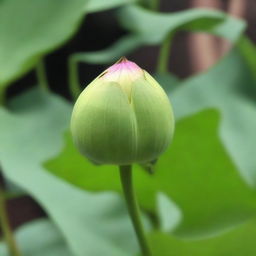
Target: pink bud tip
(122, 64)
(123, 67)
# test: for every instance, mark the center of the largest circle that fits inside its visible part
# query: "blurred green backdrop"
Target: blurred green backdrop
(201, 199)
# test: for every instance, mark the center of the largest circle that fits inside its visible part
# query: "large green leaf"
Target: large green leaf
(230, 87)
(240, 241)
(168, 81)
(248, 51)
(150, 28)
(101, 5)
(198, 175)
(39, 238)
(169, 214)
(195, 173)
(154, 27)
(93, 224)
(30, 29)
(121, 47)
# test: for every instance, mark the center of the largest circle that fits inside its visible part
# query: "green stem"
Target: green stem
(74, 85)
(5, 226)
(2, 95)
(132, 205)
(163, 59)
(154, 5)
(41, 75)
(143, 3)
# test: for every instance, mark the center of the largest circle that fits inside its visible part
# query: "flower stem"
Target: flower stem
(2, 95)
(132, 205)
(74, 85)
(154, 5)
(162, 65)
(41, 75)
(5, 227)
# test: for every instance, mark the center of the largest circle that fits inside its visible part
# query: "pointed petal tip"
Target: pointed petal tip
(122, 60)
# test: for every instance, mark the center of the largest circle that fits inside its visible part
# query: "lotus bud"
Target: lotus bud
(122, 117)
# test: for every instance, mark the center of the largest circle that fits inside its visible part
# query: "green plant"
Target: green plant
(201, 199)
(116, 121)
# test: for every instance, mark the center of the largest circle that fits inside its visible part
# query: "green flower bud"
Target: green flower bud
(122, 117)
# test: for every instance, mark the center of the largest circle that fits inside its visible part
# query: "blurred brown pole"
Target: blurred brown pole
(237, 8)
(203, 48)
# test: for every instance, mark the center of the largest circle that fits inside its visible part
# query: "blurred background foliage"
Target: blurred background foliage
(201, 197)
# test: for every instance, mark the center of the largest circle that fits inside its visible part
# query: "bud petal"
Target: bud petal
(122, 117)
